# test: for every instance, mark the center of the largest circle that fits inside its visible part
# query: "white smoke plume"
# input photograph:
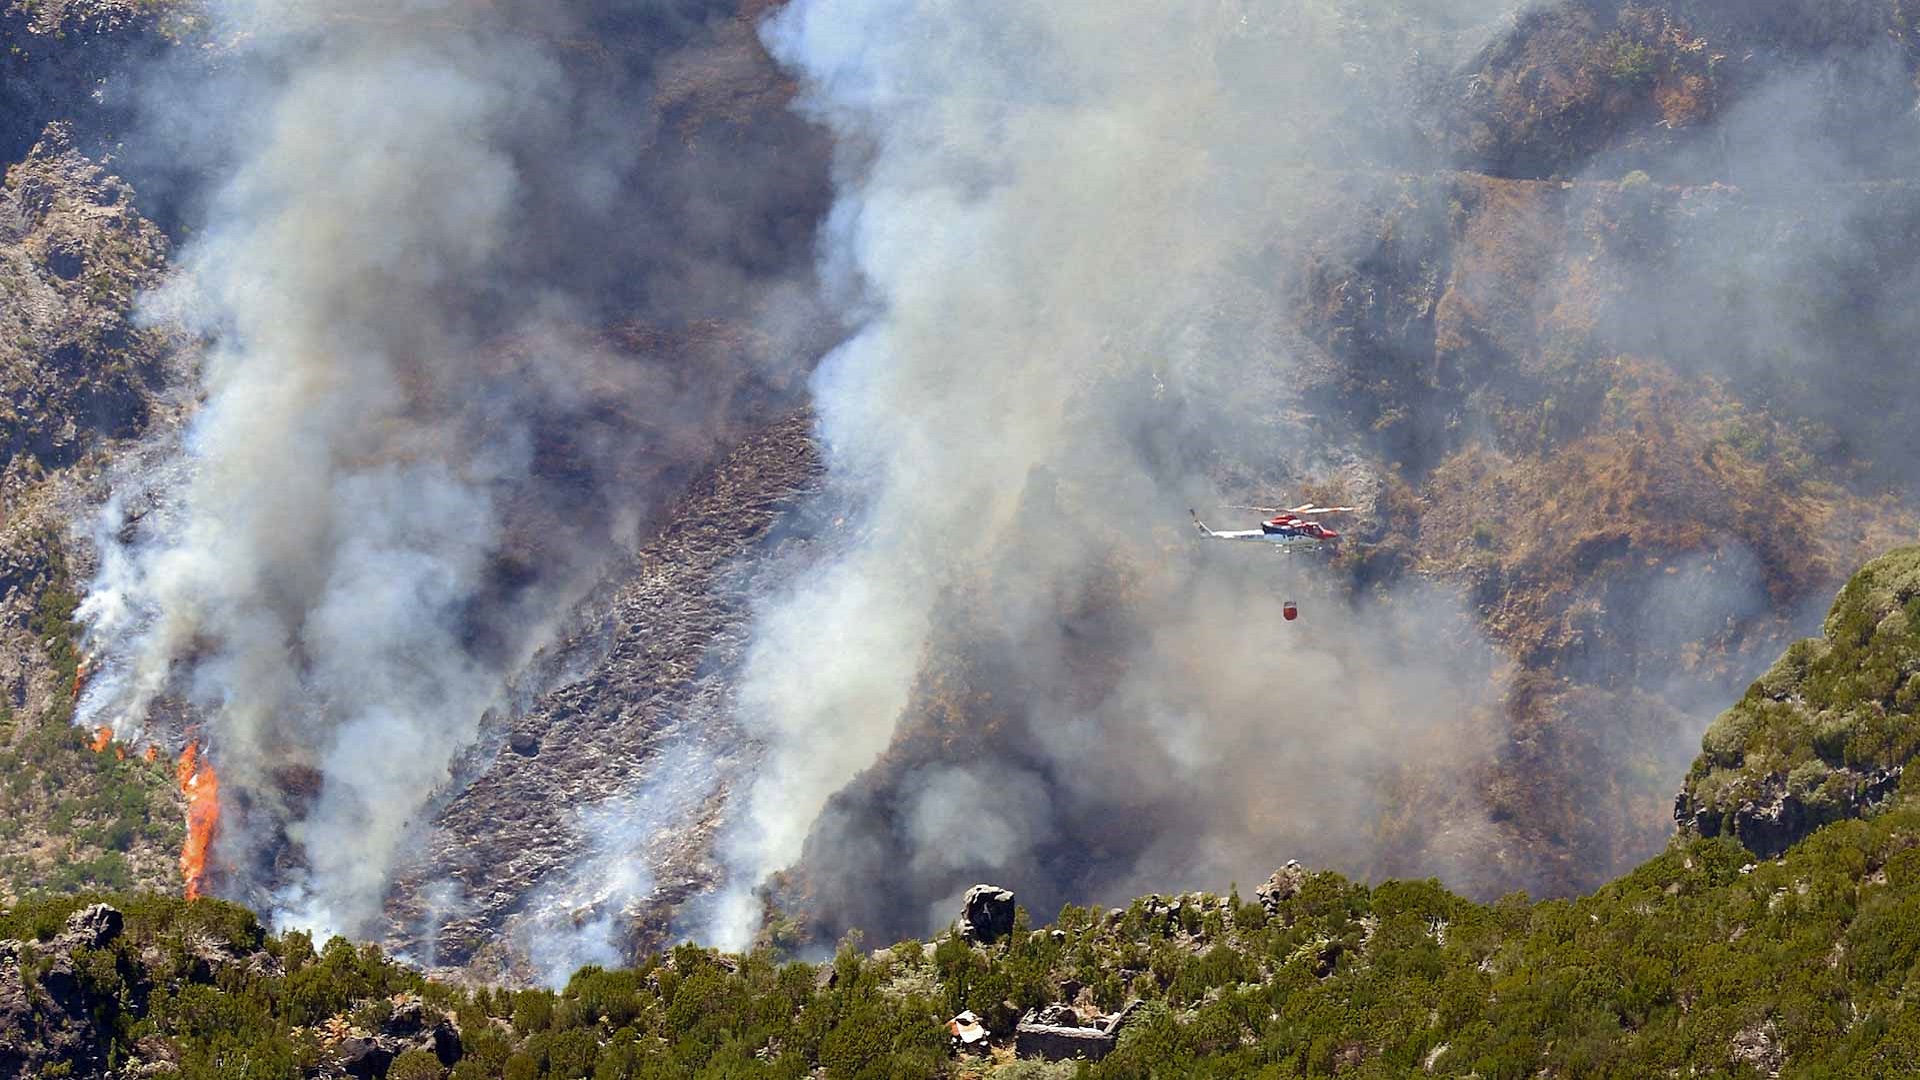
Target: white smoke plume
(1054, 221)
(581, 918)
(412, 448)
(324, 556)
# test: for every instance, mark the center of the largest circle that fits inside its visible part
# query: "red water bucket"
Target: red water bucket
(1290, 611)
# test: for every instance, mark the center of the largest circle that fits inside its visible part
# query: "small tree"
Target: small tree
(416, 1065)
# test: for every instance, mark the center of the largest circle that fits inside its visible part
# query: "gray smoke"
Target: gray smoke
(1055, 222)
(419, 438)
(581, 917)
(1103, 261)
(1078, 240)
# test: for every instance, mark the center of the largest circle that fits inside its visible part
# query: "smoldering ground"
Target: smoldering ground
(475, 296)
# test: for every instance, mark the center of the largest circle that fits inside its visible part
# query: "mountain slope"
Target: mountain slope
(80, 379)
(1700, 961)
(1618, 414)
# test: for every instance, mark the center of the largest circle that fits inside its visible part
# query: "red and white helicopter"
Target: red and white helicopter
(1288, 527)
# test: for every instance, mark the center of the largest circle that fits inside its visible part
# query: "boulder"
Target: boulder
(986, 915)
(408, 1019)
(62, 984)
(364, 1058)
(47, 1024)
(1282, 886)
(206, 955)
(92, 927)
(444, 1041)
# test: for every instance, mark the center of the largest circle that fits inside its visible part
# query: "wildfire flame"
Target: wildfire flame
(202, 788)
(81, 673)
(101, 740)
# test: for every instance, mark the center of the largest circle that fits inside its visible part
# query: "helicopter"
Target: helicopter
(1288, 528)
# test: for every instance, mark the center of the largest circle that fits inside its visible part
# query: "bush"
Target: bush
(1626, 61)
(416, 1065)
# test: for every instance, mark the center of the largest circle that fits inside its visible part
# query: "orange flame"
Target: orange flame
(153, 753)
(101, 740)
(81, 673)
(202, 789)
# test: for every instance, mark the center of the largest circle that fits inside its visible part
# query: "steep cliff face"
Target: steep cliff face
(79, 380)
(1639, 505)
(76, 372)
(1636, 520)
(79, 62)
(1605, 86)
(74, 367)
(1828, 732)
(719, 198)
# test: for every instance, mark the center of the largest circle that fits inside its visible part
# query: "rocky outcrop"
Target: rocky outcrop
(1828, 732)
(77, 61)
(363, 1058)
(48, 1018)
(93, 927)
(1757, 1047)
(1058, 1033)
(1284, 885)
(1780, 817)
(66, 1002)
(79, 378)
(73, 254)
(987, 914)
(1586, 84)
(411, 1027)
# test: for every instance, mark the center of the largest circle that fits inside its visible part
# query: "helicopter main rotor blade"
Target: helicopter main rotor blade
(1307, 509)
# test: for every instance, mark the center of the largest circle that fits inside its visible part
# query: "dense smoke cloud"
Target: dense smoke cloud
(1080, 240)
(419, 439)
(476, 298)
(1056, 222)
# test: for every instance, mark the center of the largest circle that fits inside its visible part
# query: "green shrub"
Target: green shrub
(416, 1065)
(1627, 61)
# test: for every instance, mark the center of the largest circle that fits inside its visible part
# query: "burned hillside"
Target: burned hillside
(1586, 409)
(701, 478)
